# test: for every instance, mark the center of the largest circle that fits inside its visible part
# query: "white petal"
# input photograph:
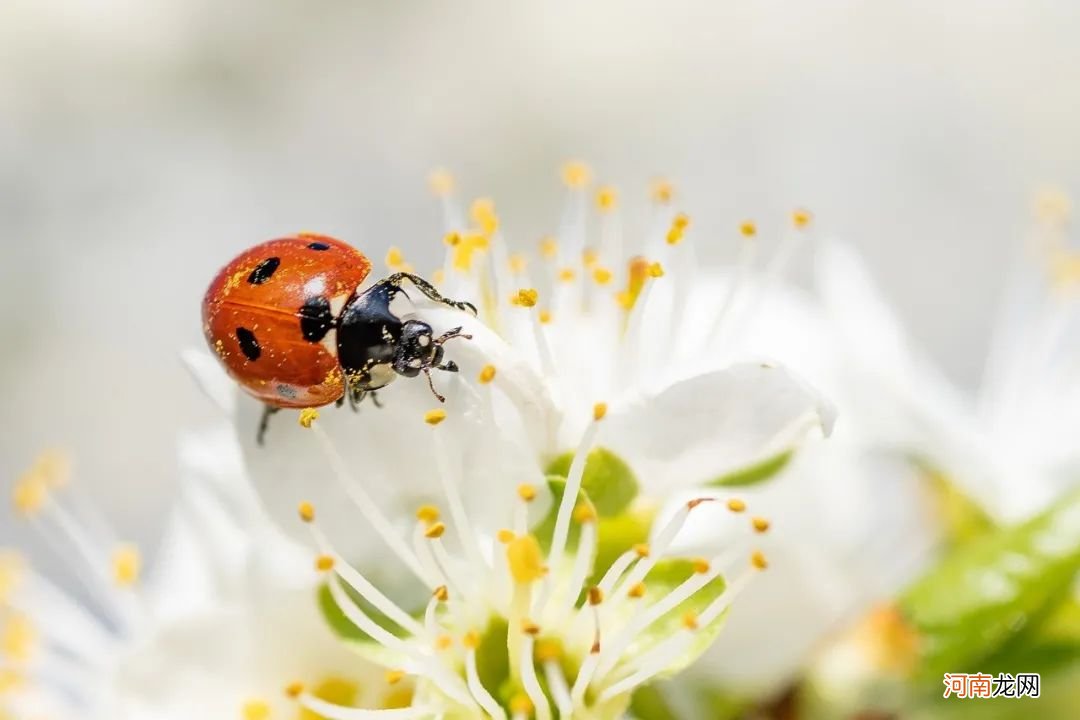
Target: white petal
(699, 429)
(211, 378)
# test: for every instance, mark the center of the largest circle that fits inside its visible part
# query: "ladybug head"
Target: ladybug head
(416, 349)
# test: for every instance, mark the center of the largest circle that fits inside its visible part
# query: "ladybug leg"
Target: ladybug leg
(264, 423)
(429, 291)
(375, 398)
(451, 334)
(340, 401)
(431, 384)
(448, 366)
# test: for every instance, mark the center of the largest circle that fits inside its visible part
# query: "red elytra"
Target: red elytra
(259, 317)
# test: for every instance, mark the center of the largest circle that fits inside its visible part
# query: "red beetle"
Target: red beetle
(289, 322)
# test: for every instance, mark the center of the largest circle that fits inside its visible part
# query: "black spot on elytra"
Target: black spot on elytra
(318, 246)
(248, 344)
(316, 318)
(264, 270)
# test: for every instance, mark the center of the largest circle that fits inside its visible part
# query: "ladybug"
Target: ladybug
(291, 324)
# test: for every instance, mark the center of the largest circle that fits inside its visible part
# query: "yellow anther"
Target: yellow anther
(661, 191)
(487, 374)
(394, 258)
(801, 218)
(656, 270)
(1052, 206)
(477, 241)
(567, 274)
(444, 642)
(308, 416)
(526, 297)
(504, 536)
(471, 640)
(735, 505)
(324, 563)
(681, 221)
(452, 239)
(601, 275)
(438, 276)
(441, 182)
(29, 495)
(126, 565)
(525, 558)
(53, 467)
(306, 511)
(482, 212)
(17, 638)
(548, 649)
(758, 560)
(748, 229)
(691, 504)
(442, 593)
(701, 566)
(674, 235)
(549, 248)
(576, 174)
(690, 621)
(518, 263)
(760, 524)
(520, 704)
(599, 410)
(589, 257)
(255, 710)
(638, 273)
(642, 550)
(526, 492)
(434, 417)
(10, 681)
(607, 199)
(544, 316)
(393, 677)
(11, 572)
(584, 513)
(637, 591)
(294, 689)
(529, 627)
(427, 514)
(596, 595)
(435, 531)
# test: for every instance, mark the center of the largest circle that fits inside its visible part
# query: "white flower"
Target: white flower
(224, 620)
(591, 322)
(589, 334)
(1011, 447)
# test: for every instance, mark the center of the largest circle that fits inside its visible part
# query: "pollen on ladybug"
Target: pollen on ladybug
(307, 417)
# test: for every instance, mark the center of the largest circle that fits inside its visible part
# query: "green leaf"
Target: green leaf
(755, 473)
(661, 580)
(676, 698)
(960, 516)
(608, 480)
(986, 592)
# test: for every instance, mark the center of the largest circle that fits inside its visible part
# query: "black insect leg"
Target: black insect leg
(450, 335)
(431, 384)
(374, 395)
(264, 423)
(429, 291)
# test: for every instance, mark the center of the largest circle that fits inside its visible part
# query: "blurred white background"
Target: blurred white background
(143, 142)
